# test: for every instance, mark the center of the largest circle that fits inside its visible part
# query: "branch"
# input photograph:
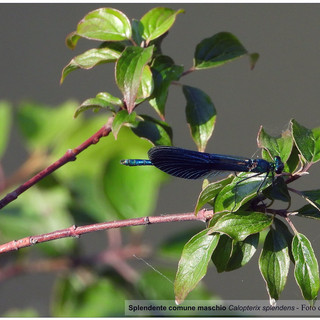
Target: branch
(74, 231)
(70, 155)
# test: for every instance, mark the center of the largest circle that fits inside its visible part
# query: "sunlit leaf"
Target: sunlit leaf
(105, 24)
(129, 70)
(243, 188)
(275, 146)
(122, 118)
(307, 141)
(306, 269)
(72, 40)
(274, 263)
(146, 85)
(90, 59)
(95, 104)
(193, 264)
(238, 225)
(210, 192)
(157, 21)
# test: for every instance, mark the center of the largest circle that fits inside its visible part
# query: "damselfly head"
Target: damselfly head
(278, 165)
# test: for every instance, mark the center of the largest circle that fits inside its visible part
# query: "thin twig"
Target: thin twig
(75, 231)
(70, 155)
(188, 71)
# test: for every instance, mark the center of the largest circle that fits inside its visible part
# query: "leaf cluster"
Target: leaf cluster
(232, 235)
(144, 74)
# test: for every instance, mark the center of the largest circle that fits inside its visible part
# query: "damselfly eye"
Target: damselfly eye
(279, 166)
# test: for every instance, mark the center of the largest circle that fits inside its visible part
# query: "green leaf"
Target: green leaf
(274, 263)
(307, 141)
(278, 190)
(156, 131)
(311, 210)
(164, 71)
(5, 125)
(103, 100)
(109, 98)
(72, 40)
(254, 57)
(222, 253)
(76, 297)
(132, 191)
(137, 30)
(105, 24)
(282, 228)
(240, 191)
(129, 70)
(157, 21)
(313, 197)
(193, 264)
(242, 252)
(293, 162)
(123, 118)
(146, 85)
(210, 192)
(216, 217)
(201, 115)
(90, 59)
(275, 146)
(238, 225)
(217, 50)
(306, 269)
(157, 43)
(230, 254)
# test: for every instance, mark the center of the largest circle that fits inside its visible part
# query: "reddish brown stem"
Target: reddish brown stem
(75, 231)
(70, 155)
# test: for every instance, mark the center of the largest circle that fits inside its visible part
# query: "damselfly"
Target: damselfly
(190, 164)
